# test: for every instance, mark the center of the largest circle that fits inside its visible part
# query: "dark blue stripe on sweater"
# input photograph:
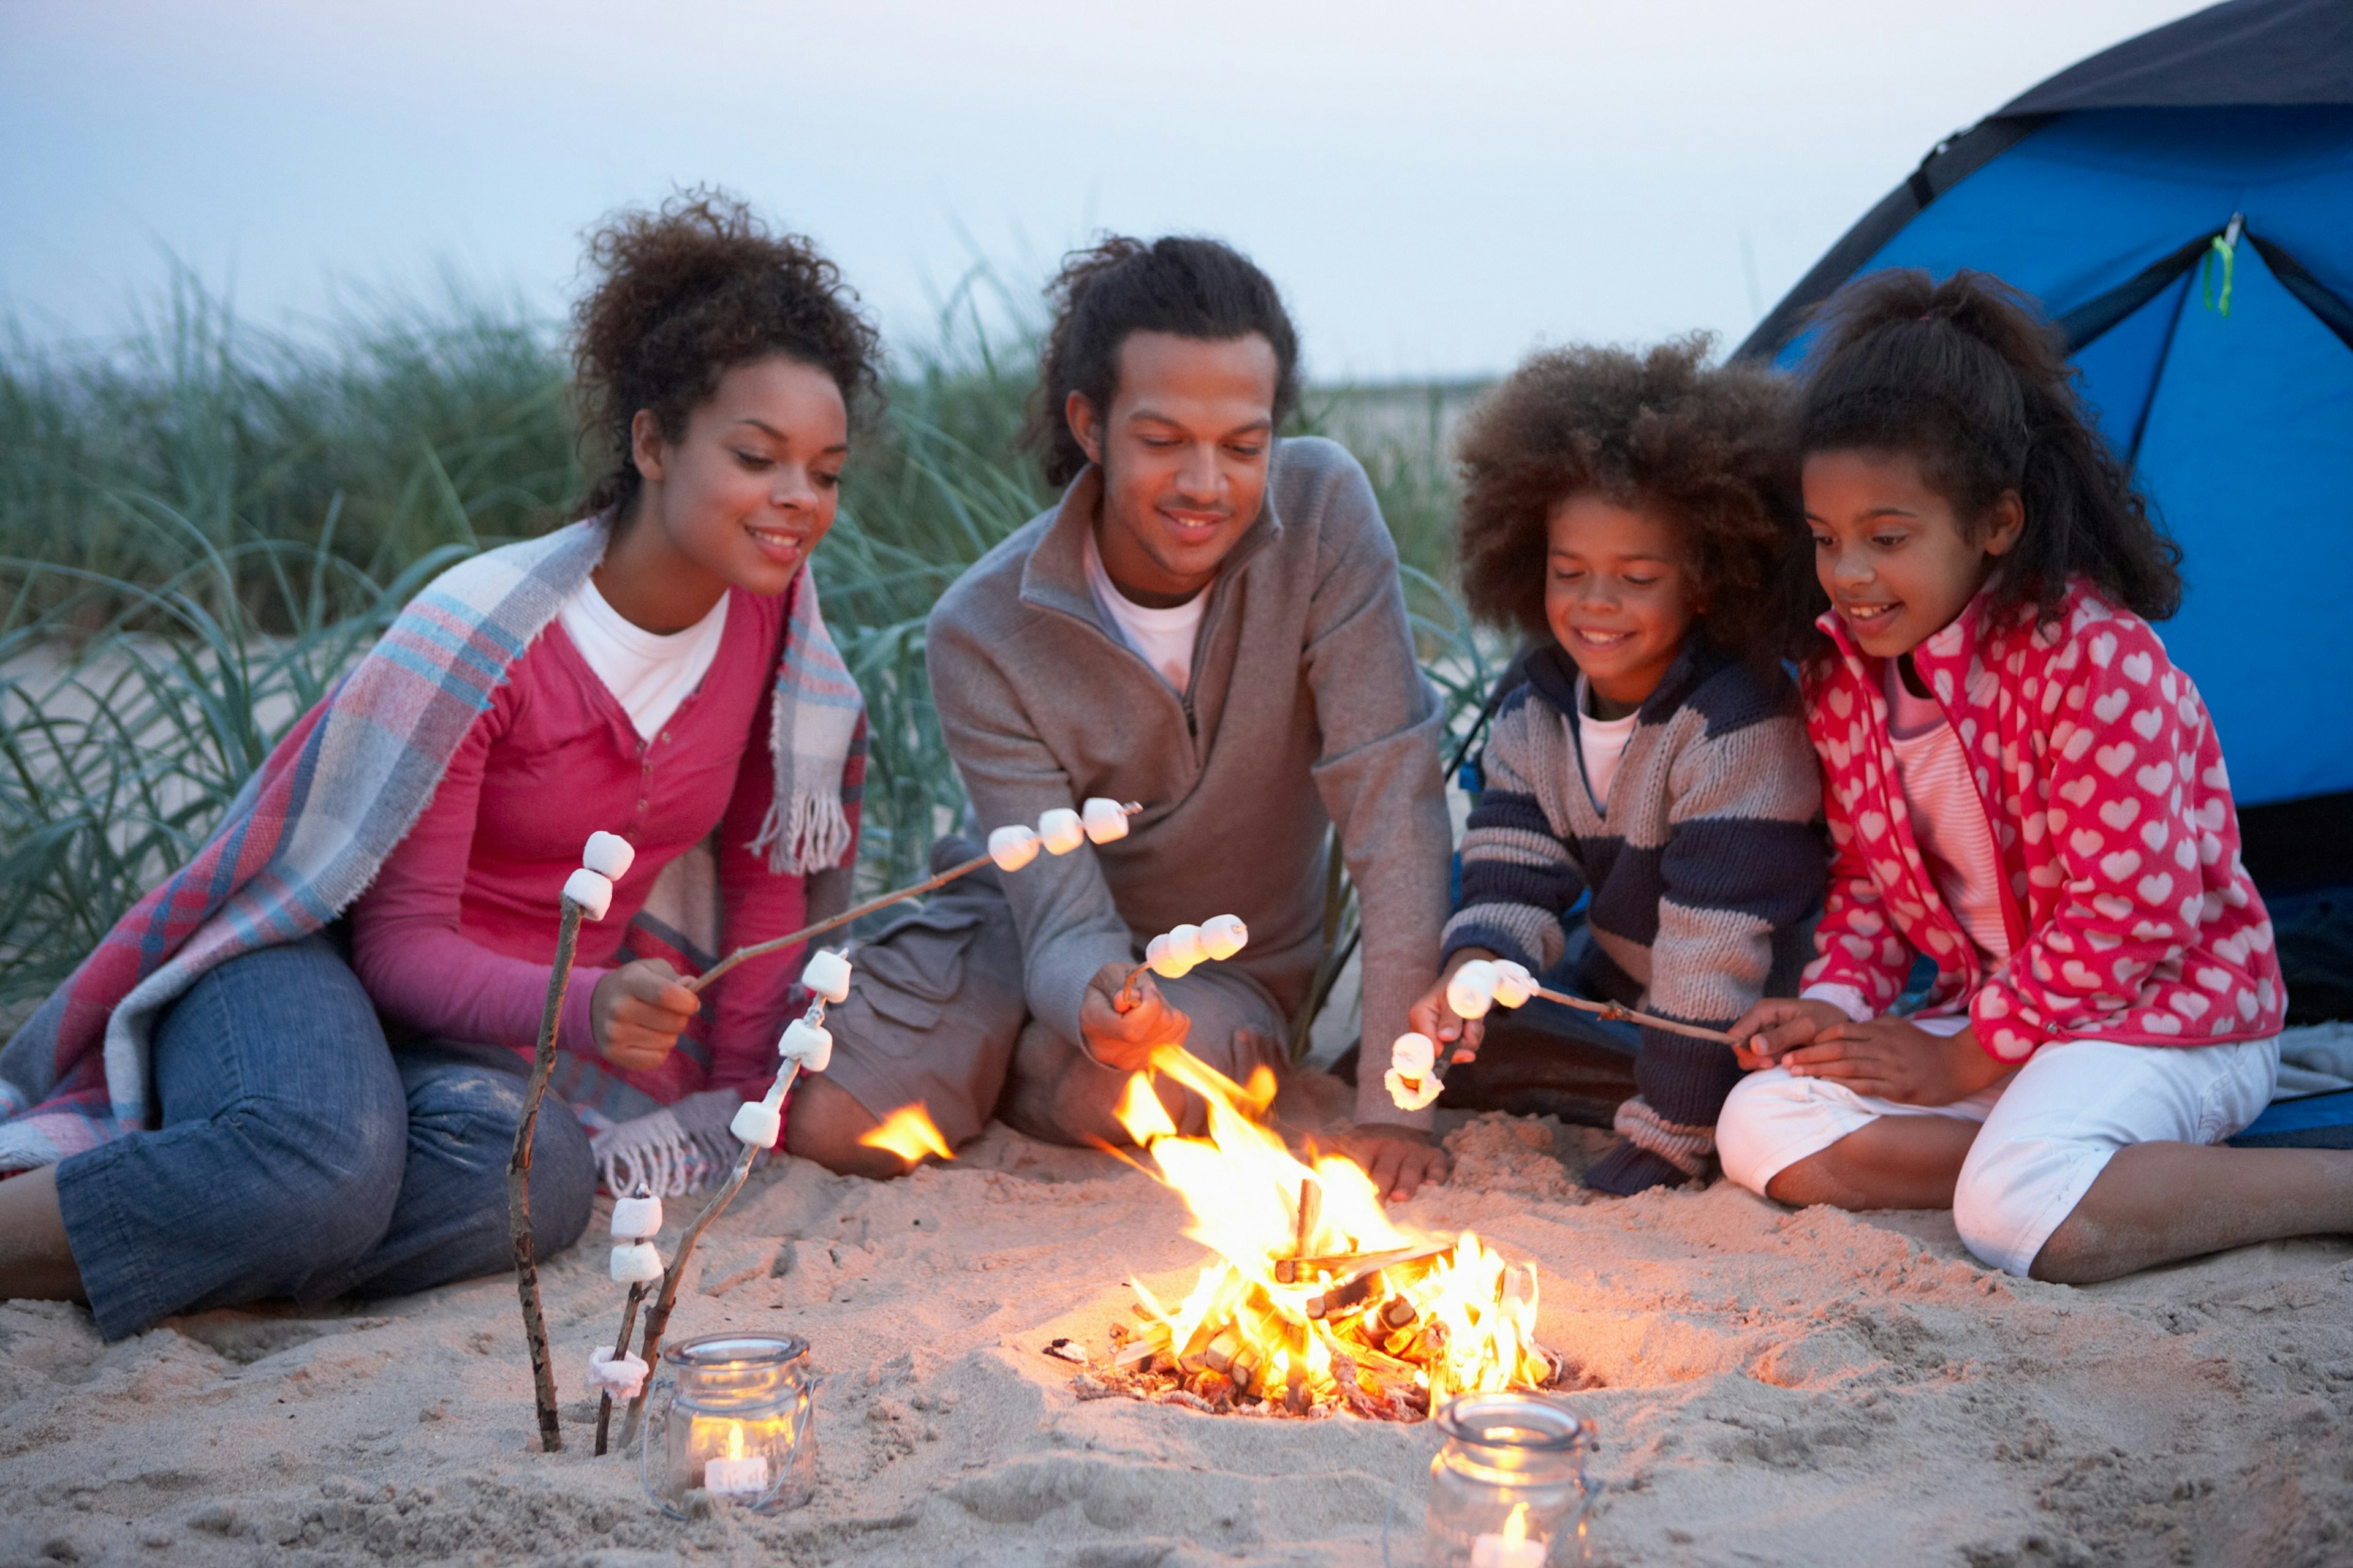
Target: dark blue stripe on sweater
(1494, 938)
(1505, 809)
(1551, 889)
(1772, 870)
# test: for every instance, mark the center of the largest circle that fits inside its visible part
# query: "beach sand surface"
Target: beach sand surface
(1771, 1387)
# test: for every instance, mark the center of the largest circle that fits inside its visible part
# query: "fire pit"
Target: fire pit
(1316, 1303)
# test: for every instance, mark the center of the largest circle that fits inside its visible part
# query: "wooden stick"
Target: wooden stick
(620, 1347)
(1612, 1010)
(880, 901)
(535, 1322)
(658, 1315)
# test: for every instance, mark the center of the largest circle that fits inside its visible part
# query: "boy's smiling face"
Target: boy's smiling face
(1616, 594)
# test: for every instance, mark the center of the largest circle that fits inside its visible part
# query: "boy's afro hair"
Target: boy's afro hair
(1707, 449)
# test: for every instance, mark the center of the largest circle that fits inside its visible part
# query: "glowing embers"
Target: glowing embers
(1316, 1303)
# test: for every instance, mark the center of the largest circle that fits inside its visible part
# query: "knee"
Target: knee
(1744, 1139)
(823, 1124)
(1989, 1209)
(469, 1120)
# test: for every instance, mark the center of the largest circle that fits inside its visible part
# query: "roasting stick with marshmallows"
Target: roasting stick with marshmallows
(1058, 832)
(1174, 954)
(1414, 1080)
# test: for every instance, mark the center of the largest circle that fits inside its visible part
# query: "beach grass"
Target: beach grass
(203, 523)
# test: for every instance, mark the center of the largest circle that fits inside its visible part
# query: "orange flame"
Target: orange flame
(908, 1134)
(1458, 1317)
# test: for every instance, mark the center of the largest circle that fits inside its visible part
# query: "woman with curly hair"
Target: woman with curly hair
(1632, 515)
(340, 995)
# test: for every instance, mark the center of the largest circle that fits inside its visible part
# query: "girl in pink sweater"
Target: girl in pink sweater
(2024, 790)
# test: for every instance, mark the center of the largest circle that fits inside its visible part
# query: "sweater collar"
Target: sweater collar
(1056, 573)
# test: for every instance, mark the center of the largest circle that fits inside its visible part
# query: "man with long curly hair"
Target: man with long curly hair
(1208, 622)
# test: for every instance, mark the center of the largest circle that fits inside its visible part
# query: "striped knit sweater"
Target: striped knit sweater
(1710, 853)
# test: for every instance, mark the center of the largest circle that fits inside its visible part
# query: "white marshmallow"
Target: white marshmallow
(811, 1045)
(757, 1123)
(592, 892)
(1013, 847)
(637, 1264)
(1514, 983)
(1411, 1096)
(1472, 990)
(1061, 831)
(1104, 820)
(1222, 936)
(1414, 1055)
(1184, 943)
(826, 973)
(1163, 961)
(633, 1219)
(609, 855)
(619, 1375)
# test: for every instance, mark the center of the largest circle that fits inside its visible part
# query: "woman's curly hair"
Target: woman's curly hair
(687, 294)
(1706, 449)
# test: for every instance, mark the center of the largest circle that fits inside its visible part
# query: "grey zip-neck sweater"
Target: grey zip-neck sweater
(1306, 708)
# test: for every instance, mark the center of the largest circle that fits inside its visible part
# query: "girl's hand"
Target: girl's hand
(1892, 1060)
(1432, 1016)
(1778, 1023)
(638, 1011)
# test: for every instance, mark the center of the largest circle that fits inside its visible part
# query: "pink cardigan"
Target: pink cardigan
(455, 936)
(2130, 916)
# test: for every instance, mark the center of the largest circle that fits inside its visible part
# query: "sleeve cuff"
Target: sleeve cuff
(1845, 998)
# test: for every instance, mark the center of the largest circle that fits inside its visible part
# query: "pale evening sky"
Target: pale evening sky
(1437, 188)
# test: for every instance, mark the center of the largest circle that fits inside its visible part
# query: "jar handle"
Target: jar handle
(802, 1409)
(1578, 1540)
(656, 1435)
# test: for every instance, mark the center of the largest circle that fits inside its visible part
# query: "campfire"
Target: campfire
(1316, 1302)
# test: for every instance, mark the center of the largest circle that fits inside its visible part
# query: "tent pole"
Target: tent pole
(2157, 375)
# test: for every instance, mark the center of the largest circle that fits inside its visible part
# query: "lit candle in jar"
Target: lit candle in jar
(1512, 1549)
(737, 1473)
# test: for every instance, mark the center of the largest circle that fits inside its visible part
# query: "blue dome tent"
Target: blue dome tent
(2182, 208)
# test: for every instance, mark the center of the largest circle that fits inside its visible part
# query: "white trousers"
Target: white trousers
(2048, 1131)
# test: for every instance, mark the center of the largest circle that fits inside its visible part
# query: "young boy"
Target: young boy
(1632, 511)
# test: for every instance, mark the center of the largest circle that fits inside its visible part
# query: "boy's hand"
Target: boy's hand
(1124, 1040)
(637, 1012)
(1893, 1059)
(1457, 1037)
(1398, 1160)
(1778, 1023)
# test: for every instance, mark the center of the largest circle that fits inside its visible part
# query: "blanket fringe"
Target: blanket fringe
(807, 834)
(676, 1151)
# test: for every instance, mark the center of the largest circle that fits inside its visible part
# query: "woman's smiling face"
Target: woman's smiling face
(1616, 594)
(1896, 562)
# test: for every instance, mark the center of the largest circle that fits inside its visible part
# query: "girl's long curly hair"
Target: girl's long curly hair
(1967, 376)
(686, 294)
(1660, 430)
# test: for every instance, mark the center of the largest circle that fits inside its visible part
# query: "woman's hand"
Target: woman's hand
(1778, 1023)
(1447, 1029)
(1892, 1060)
(636, 1012)
(1125, 1040)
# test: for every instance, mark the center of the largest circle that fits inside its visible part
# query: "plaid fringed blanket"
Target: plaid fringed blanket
(307, 834)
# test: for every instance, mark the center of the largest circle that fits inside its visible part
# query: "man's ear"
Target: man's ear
(646, 447)
(1078, 412)
(2004, 523)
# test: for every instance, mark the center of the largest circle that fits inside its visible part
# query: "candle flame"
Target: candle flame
(1515, 1529)
(908, 1134)
(735, 1441)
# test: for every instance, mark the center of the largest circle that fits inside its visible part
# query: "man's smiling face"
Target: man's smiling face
(1183, 451)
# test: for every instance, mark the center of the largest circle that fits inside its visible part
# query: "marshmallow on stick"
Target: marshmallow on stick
(1011, 849)
(636, 1220)
(1176, 953)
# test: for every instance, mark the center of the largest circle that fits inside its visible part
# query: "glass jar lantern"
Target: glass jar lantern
(729, 1416)
(1509, 1488)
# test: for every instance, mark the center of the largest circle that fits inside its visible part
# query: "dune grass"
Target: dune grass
(203, 524)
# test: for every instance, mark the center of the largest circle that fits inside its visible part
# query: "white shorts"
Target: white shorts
(2049, 1130)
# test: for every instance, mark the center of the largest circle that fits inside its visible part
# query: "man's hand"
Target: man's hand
(1125, 1040)
(1892, 1060)
(1778, 1023)
(1448, 1030)
(1400, 1159)
(637, 1012)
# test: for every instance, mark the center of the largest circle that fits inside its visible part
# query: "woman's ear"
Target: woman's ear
(646, 447)
(1078, 412)
(2004, 523)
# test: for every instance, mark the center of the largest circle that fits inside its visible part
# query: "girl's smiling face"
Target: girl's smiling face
(1616, 594)
(1898, 564)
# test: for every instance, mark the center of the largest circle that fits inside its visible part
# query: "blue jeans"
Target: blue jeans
(296, 1155)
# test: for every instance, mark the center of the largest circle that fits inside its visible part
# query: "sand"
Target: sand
(1774, 1387)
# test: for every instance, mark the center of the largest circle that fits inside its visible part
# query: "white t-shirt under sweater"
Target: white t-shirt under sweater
(1948, 822)
(648, 675)
(1600, 742)
(1162, 638)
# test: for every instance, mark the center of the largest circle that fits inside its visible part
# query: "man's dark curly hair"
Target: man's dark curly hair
(1661, 431)
(1190, 287)
(687, 294)
(1968, 376)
